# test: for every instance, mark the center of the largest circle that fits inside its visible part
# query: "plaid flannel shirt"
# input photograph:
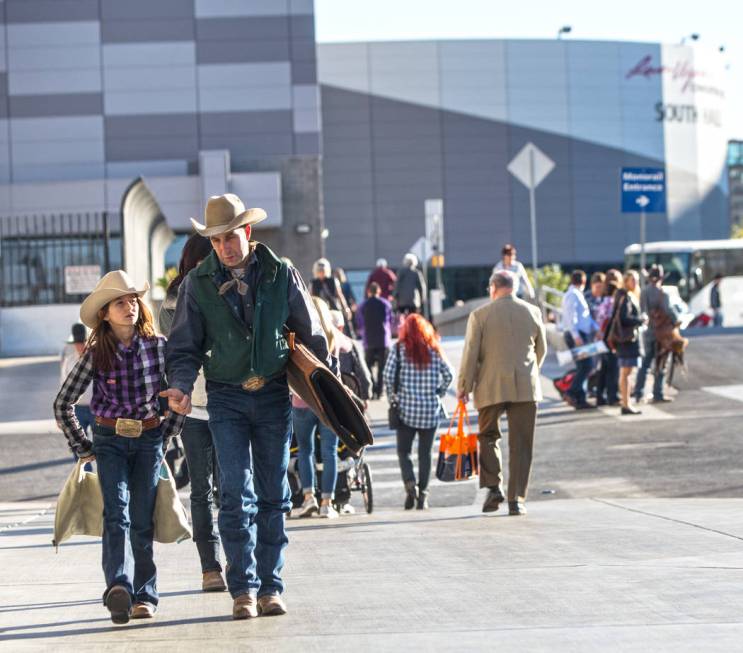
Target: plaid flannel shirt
(420, 392)
(129, 390)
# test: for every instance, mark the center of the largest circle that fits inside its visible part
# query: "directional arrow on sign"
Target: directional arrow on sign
(642, 201)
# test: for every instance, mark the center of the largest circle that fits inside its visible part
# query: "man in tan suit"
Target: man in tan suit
(503, 351)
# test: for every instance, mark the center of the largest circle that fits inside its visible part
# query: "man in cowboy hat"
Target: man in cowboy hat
(230, 318)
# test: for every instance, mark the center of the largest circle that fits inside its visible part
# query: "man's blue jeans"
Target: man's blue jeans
(128, 471)
(305, 424)
(252, 433)
(642, 374)
(582, 370)
(199, 447)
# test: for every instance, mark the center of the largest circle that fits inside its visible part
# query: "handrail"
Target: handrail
(547, 306)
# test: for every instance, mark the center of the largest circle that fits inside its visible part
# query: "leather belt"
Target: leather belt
(128, 428)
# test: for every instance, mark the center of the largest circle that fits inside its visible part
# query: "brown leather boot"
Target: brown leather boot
(245, 607)
(212, 581)
(271, 605)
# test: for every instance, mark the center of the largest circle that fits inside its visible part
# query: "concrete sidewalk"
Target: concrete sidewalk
(574, 575)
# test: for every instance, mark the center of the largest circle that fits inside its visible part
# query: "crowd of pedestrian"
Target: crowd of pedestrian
(215, 377)
(617, 312)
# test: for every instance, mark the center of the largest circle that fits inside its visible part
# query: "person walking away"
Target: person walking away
(595, 295)
(424, 376)
(627, 312)
(124, 361)
(71, 354)
(578, 328)
(522, 285)
(374, 319)
(325, 286)
(198, 443)
(238, 305)
(504, 348)
(410, 289)
(384, 277)
(652, 299)
(607, 383)
(306, 423)
(348, 294)
(715, 301)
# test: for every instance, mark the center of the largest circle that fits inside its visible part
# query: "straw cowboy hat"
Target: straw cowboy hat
(225, 213)
(112, 285)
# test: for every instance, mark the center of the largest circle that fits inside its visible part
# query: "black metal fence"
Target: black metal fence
(35, 250)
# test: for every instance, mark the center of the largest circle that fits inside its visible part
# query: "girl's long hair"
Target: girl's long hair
(196, 249)
(419, 338)
(102, 341)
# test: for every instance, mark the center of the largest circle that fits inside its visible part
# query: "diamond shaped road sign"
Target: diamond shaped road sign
(530, 166)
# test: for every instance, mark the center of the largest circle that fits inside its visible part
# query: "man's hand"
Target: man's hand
(177, 401)
(464, 397)
(578, 341)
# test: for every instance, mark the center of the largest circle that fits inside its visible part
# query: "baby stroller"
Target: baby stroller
(354, 475)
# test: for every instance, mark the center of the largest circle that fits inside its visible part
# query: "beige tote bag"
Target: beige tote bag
(170, 517)
(79, 506)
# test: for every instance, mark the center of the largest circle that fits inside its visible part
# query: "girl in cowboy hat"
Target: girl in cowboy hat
(125, 362)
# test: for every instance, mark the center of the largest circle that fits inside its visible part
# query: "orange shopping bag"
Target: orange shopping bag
(458, 452)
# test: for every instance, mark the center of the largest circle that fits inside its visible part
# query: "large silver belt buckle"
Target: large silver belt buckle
(128, 428)
(253, 383)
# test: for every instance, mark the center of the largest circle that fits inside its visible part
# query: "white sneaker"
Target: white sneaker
(347, 509)
(307, 508)
(328, 512)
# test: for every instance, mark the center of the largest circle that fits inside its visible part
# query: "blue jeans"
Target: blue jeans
(252, 433)
(642, 374)
(128, 471)
(199, 448)
(582, 370)
(305, 423)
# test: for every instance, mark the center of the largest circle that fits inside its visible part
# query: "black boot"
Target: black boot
(422, 503)
(411, 495)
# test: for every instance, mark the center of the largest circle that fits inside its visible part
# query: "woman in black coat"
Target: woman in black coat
(627, 312)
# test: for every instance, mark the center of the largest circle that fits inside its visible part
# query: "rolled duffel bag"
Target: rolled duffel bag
(328, 398)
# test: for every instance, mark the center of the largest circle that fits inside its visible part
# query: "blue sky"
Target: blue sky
(718, 22)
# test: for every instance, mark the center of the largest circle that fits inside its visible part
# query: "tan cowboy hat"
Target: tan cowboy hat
(112, 285)
(225, 213)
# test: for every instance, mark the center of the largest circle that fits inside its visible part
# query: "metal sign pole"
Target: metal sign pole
(642, 246)
(533, 219)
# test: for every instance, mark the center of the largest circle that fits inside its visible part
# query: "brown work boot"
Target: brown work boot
(244, 607)
(212, 581)
(271, 605)
(143, 611)
(119, 604)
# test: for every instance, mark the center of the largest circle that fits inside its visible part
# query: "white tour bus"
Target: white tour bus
(691, 265)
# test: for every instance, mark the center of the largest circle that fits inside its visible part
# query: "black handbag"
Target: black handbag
(393, 412)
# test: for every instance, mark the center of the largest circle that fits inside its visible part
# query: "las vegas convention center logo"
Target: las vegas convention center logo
(689, 80)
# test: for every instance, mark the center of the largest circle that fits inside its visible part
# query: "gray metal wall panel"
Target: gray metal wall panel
(245, 122)
(304, 72)
(256, 28)
(302, 27)
(307, 143)
(127, 9)
(147, 30)
(47, 11)
(73, 104)
(121, 127)
(241, 51)
(145, 148)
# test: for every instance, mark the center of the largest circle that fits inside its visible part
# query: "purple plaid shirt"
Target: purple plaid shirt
(129, 390)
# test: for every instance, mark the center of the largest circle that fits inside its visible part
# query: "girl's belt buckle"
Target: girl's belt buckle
(128, 428)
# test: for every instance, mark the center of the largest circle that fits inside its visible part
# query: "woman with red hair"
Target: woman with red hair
(424, 376)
